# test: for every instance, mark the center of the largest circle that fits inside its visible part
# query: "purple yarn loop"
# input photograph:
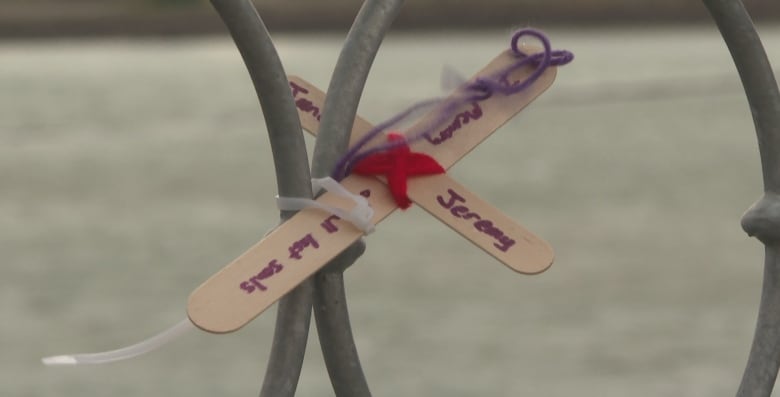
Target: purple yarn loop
(480, 89)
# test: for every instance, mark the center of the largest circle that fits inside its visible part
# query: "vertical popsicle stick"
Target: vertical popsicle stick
(473, 218)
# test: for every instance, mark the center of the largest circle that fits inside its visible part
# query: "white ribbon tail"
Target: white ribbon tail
(124, 353)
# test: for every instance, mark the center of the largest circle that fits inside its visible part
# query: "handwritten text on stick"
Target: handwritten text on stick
(303, 103)
(254, 283)
(456, 204)
(274, 267)
(475, 113)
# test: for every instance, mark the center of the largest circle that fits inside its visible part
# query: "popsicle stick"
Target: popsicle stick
(476, 121)
(479, 222)
(458, 137)
(250, 284)
(460, 209)
(262, 275)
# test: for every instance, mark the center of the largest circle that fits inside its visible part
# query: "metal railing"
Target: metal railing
(325, 291)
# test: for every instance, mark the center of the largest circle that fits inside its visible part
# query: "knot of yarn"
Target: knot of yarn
(398, 164)
(482, 88)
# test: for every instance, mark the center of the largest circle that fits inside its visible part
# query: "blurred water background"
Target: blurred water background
(46, 18)
(131, 170)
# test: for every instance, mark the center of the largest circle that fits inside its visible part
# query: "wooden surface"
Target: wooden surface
(250, 284)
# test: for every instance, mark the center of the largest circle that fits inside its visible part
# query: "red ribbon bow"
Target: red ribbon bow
(398, 164)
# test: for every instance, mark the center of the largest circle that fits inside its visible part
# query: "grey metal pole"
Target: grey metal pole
(762, 220)
(339, 111)
(292, 177)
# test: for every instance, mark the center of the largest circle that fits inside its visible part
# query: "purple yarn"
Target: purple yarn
(480, 89)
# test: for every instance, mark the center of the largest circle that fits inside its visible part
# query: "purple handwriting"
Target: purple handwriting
(460, 119)
(254, 283)
(503, 242)
(304, 104)
(328, 224)
(300, 245)
(274, 267)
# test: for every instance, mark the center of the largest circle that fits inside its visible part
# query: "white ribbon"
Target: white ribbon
(360, 215)
(126, 352)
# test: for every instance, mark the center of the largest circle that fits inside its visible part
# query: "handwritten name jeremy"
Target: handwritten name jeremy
(456, 204)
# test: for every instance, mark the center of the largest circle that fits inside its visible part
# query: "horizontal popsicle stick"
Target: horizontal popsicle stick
(281, 260)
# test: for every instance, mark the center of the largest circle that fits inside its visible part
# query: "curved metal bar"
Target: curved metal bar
(293, 318)
(758, 80)
(762, 220)
(339, 111)
(764, 360)
(292, 176)
(349, 78)
(336, 340)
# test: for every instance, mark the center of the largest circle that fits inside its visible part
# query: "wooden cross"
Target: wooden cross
(295, 250)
